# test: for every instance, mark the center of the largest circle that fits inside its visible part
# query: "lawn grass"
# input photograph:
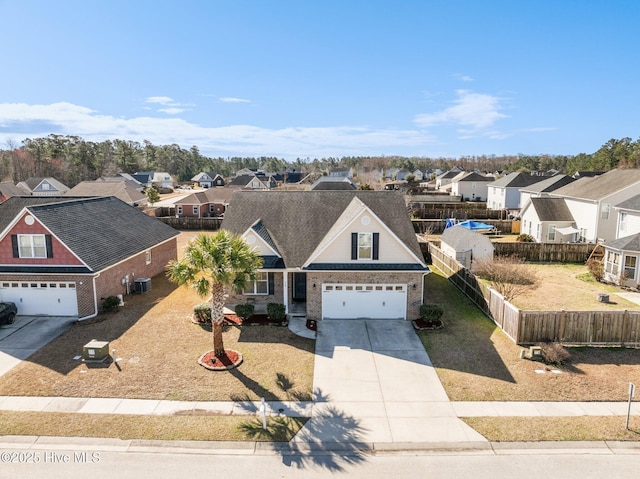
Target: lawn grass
(585, 428)
(158, 347)
(169, 428)
(476, 361)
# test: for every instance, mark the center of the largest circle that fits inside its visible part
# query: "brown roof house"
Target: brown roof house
(332, 254)
(59, 256)
(209, 203)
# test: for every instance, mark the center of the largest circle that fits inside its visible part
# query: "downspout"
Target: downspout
(95, 300)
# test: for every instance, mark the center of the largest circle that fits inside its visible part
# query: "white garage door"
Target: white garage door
(37, 299)
(375, 301)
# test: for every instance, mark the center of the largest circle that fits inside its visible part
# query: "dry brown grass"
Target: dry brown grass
(568, 287)
(476, 361)
(174, 428)
(159, 347)
(525, 429)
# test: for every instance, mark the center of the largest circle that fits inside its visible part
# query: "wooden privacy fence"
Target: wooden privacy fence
(546, 252)
(591, 328)
(189, 223)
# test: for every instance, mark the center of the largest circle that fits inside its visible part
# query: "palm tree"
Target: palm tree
(211, 263)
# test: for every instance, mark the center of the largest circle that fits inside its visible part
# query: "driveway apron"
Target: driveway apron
(374, 382)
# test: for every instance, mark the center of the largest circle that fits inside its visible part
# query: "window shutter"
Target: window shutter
(270, 281)
(376, 245)
(14, 246)
(49, 243)
(354, 245)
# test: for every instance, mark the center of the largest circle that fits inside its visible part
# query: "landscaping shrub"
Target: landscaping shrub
(276, 312)
(431, 312)
(202, 312)
(596, 268)
(110, 304)
(524, 238)
(554, 353)
(245, 311)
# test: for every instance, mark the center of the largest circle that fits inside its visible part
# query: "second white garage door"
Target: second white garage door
(41, 299)
(374, 301)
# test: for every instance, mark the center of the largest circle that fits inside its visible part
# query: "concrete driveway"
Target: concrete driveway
(374, 382)
(26, 335)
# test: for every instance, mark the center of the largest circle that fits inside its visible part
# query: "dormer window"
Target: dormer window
(32, 246)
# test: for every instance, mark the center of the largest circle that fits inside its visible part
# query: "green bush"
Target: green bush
(245, 311)
(276, 312)
(110, 304)
(431, 312)
(202, 312)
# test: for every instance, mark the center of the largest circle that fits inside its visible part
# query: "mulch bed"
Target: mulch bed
(211, 362)
(256, 319)
(422, 324)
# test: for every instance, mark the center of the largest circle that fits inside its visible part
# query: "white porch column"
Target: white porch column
(285, 294)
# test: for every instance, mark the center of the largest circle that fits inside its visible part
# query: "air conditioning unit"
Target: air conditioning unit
(95, 350)
(142, 285)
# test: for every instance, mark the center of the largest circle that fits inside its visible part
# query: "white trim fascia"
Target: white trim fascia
(259, 238)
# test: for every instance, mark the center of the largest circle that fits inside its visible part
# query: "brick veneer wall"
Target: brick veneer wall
(260, 300)
(314, 295)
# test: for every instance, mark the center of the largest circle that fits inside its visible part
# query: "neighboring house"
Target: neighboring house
(402, 174)
(628, 222)
(43, 187)
(251, 171)
(370, 175)
(207, 180)
(162, 179)
(333, 183)
(621, 261)
(209, 203)
(418, 174)
(7, 190)
(253, 182)
(62, 256)
(126, 178)
(144, 178)
(543, 188)
(340, 254)
(341, 172)
(471, 186)
(447, 177)
(548, 220)
(505, 192)
(120, 189)
(591, 201)
(466, 245)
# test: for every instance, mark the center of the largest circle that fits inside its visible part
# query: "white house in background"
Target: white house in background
(418, 174)
(628, 217)
(161, 179)
(505, 192)
(465, 245)
(543, 188)
(548, 220)
(471, 186)
(591, 201)
(447, 177)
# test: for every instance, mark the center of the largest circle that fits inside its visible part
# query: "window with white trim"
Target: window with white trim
(612, 263)
(551, 233)
(260, 285)
(179, 210)
(365, 245)
(147, 256)
(630, 267)
(604, 211)
(32, 246)
(623, 222)
(196, 210)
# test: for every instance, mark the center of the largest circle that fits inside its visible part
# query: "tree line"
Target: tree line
(72, 159)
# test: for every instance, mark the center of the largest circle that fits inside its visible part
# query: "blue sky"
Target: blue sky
(312, 79)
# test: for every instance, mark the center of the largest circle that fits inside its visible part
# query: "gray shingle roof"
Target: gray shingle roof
(552, 209)
(298, 220)
(550, 184)
(632, 203)
(599, 187)
(119, 189)
(628, 243)
(101, 231)
(517, 180)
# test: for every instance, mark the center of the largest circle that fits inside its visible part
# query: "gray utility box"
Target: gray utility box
(95, 350)
(142, 285)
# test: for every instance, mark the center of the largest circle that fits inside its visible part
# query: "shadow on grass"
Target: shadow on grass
(58, 354)
(329, 439)
(465, 343)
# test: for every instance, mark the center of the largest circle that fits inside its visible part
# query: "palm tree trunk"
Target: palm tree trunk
(217, 318)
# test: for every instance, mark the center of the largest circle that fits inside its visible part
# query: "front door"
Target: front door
(300, 287)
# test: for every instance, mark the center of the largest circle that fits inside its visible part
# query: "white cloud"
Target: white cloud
(171, 107)
(162, 100)
(228, 99)
(172, 110)
(477, 110)
(69, 119)
(461, 77)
